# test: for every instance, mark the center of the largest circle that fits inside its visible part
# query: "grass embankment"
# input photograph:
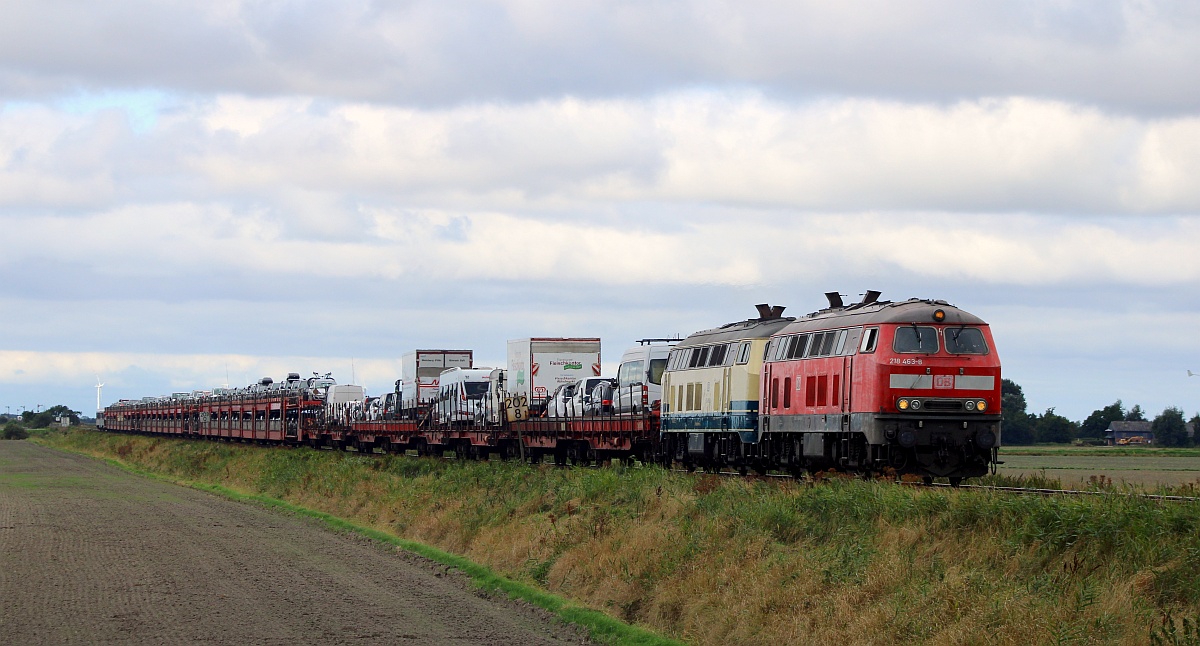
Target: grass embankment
(720, 560)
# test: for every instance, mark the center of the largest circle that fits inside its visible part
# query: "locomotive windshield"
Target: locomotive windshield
(965, 340)
(915, 339)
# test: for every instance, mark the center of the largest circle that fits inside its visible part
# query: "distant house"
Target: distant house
(1123, 432)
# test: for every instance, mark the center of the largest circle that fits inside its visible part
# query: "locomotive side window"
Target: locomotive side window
(814, 346)
(853, 335)
(779, 348)
(821, 344)
(718, 355)
(870, 339)
(840, 344)
(827, 343)
(798, 346)
(674, 358)
(744, 353)
(913, 339)
(965, 340)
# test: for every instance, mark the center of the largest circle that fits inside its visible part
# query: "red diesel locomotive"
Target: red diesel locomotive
(913, 386)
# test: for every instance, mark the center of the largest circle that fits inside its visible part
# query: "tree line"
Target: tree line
(18, 430)
(1018, 426)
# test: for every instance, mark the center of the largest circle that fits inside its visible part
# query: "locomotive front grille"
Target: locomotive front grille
(943, 405)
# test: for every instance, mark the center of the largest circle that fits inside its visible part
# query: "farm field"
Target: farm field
(1077, 467)
(95, 554)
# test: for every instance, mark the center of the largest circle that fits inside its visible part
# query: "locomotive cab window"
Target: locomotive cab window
(870, 339)
(965, 340)
(914, 339)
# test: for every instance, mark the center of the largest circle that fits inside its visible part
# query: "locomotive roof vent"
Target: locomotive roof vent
(835, 300)
(769, 312)
(869, 298)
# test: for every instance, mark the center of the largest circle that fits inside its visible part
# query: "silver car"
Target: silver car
(575, 399)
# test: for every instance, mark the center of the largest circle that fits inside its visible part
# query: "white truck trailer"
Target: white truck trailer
(537, 366)
(419, 372)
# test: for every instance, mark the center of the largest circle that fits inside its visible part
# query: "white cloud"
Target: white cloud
(730, 247)
(688, 149)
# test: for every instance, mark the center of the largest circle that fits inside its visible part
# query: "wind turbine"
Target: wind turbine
(99, 385)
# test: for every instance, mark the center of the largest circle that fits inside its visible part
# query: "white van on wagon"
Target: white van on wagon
(639, 378)
(461, 394)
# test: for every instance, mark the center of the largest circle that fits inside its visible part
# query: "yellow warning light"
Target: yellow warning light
(939, 315)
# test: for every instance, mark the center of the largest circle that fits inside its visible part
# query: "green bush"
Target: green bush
(14, 431)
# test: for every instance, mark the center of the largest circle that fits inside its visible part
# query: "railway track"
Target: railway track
(1028, 491)
(1031, 491)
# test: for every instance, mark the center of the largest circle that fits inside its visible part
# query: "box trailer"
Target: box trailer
(419, 372)
(537, 366)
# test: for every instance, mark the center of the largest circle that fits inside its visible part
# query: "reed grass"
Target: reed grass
(713, 560)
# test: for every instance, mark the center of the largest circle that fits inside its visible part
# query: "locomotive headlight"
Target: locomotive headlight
(915, 404)
(969, 404)
(902, 404)
(981, 406)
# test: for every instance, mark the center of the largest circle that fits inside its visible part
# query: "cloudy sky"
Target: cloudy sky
(201, 193)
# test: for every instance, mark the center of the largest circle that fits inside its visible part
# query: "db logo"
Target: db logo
(943, 381)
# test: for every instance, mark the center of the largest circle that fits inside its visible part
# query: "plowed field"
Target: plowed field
(92, 554)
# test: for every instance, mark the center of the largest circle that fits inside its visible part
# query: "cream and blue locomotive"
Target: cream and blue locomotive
(710, 404)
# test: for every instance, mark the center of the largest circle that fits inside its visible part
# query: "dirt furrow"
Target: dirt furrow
(92, 554)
